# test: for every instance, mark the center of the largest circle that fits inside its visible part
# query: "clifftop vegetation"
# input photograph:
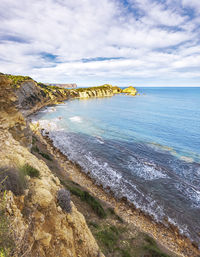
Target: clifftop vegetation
(17, 79)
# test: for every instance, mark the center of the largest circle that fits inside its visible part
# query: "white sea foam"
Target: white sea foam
(145, 170)
(99, 139)
(76, 119)
(191, 193)
(48, 125)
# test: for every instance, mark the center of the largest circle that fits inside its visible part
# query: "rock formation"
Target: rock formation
(38, 225)
(130, 90)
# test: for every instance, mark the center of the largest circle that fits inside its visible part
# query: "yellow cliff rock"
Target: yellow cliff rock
(130, 90)
(39, 225)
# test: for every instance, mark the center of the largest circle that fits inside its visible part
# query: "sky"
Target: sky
(91, 42)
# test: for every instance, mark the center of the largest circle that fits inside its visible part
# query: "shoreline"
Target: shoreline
(168, 236)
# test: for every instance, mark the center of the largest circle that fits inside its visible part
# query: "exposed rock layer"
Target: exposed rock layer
(38, 225)
(130, 90)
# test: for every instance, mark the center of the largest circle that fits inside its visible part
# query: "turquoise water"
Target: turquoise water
(146, 148)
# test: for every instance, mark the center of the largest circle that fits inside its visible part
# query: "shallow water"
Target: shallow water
(146, 148)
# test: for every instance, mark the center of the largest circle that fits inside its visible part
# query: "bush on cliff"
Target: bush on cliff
(86, 197)
(17, 79)
(30, 171)
(64, 200)
(152, 248)
(13, 180)
(6, 241)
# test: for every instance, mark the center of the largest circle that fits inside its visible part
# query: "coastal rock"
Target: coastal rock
(39, 227)
(37, 224)
(130, 90)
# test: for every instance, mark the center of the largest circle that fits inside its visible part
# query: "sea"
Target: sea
(145, 148)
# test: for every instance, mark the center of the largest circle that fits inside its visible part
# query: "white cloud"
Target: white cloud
(48, 40)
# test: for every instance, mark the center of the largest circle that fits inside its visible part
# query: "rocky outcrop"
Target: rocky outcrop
(32, 96)
(10, 118)
(130, 90)
(101, 91)
(38, 224)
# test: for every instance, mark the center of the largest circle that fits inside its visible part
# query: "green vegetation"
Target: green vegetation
(89, 199)
(17, 79)
(152, 248)
(35, 149)
(6, 240)
(30, 171)
(111, 211)
(124, 252)
(34, 140)
(94, 224)
(108, 238)
(64, 200)
(12, 179)
(104, 87)
(44, 155)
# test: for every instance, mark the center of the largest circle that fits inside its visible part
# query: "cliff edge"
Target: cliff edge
(35, 220)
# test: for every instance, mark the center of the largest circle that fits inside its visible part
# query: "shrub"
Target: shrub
(13, 180)
(108, 237)
(6, 240)
(152, 248)
(35, 149)
(86, 197)
(64, 200)
(46, 156)
(94, 224)
(30, 171)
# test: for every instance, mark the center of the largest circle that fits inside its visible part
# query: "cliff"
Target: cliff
(101, 91)
(34, 220)
(32, 96)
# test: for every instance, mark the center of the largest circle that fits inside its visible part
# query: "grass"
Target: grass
(111, 211)
(89, 199)
(94, 224)
(34, 140)
(152, 249)
(30, 171)
(6, 240)
(124, 252)
(44, 155)
(17, 79)
(108, 238)
(103, 87)
(35, 149)
(12, 179)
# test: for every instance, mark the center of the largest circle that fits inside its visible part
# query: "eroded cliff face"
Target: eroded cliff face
(10, 118)
(38, 225)
(31, 96)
